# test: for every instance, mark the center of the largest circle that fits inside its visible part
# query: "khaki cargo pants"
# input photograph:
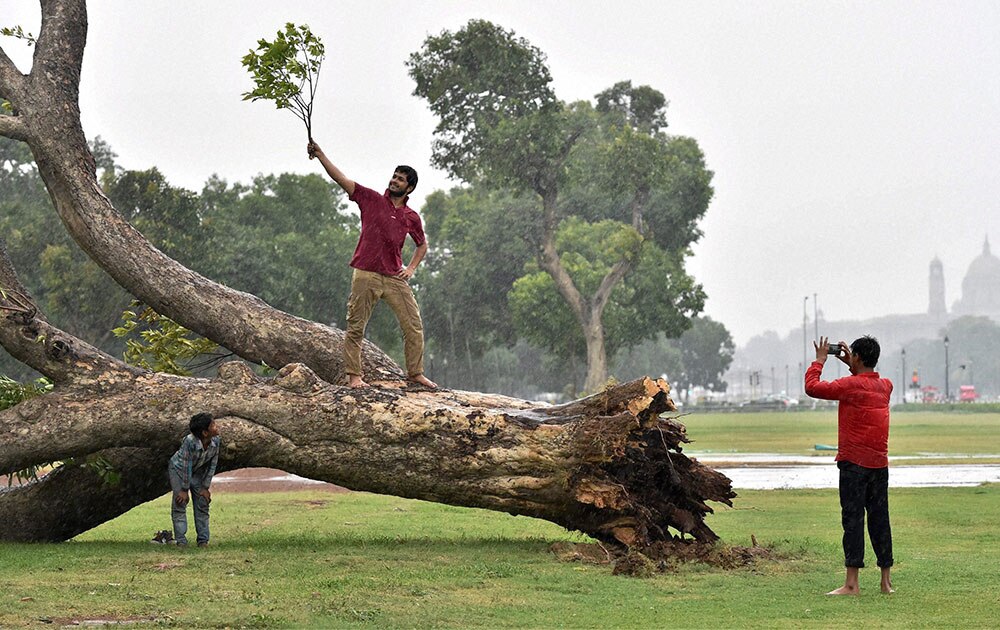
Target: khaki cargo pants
(367, 288)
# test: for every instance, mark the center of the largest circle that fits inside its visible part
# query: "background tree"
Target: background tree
(465, 305)
(609, 465)
(698, 358)
(501, 126)
(706, 352)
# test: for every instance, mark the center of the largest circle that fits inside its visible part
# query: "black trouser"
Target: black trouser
(865, 489)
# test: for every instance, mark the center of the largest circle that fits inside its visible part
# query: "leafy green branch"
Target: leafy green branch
(158, 343)
(282, 68)
(19, 33)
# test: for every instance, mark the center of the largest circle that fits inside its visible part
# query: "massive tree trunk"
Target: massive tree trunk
(608, 465)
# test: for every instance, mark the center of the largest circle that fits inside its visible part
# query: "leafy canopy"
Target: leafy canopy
(282, 68)
(475, 81)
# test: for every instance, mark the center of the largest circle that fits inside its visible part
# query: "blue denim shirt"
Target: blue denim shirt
(192, 459)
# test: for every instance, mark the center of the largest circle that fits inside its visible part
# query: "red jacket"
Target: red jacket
(862, 416)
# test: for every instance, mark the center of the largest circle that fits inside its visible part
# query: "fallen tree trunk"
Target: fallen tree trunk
(607, 465)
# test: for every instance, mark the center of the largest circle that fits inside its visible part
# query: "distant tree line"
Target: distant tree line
(973, 359)
(287, 238)
(559, 262)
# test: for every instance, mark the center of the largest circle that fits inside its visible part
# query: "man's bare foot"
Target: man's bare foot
(423, 380)
(846, 590)
(887, 580)
(355, 380)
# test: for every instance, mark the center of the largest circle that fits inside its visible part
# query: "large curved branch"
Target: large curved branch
(13, 127)
(11, 80)
(608, 466)
(548, 260)
(58, 57)
(29, 338)
(238, 321)
(608, 283)
(73, 499)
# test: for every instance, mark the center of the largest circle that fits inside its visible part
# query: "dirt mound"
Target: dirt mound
(663, 556)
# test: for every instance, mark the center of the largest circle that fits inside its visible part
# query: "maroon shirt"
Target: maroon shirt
(383, 231)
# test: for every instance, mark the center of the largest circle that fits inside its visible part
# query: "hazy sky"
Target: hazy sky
(851, 141)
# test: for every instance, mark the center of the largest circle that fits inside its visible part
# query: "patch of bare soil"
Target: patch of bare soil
(662, 557)
(96, 621)
(588, 553)
(267, 480)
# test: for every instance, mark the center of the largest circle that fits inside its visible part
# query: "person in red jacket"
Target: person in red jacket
(862, 452)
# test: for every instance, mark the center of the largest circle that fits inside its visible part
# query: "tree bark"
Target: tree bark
(608, 465)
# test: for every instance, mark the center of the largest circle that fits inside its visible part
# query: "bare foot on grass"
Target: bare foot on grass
(846, 590)
(423, 380)
(355, 381)
(887, 581)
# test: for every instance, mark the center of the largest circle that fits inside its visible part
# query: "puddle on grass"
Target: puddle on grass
(770, 471)
(826, 457)
(826, 476)
(286, 478)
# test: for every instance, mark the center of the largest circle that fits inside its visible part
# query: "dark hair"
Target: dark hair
(867, 349)
(410, 172)
(200, 422)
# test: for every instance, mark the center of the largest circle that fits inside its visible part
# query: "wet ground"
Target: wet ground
(769, 471)
(749, 471)
(267, 480)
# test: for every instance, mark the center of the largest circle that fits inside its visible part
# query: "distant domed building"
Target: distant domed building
(784, 356)
(981, 287)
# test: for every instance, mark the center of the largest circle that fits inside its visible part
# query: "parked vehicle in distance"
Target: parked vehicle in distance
(967, 393)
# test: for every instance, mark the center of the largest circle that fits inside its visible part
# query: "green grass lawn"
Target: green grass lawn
(798, 432)
(318, 559)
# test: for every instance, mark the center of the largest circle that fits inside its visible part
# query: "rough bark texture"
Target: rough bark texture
(608, 465)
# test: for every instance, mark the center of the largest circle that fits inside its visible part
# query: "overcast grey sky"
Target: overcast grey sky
(851, 141)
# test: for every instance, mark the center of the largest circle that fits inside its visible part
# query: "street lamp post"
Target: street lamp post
(804, 318)
(902, 383)
(816, 316)
(947, 391)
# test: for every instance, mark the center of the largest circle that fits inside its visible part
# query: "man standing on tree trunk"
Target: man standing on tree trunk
(862, 452)
(378, 266)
